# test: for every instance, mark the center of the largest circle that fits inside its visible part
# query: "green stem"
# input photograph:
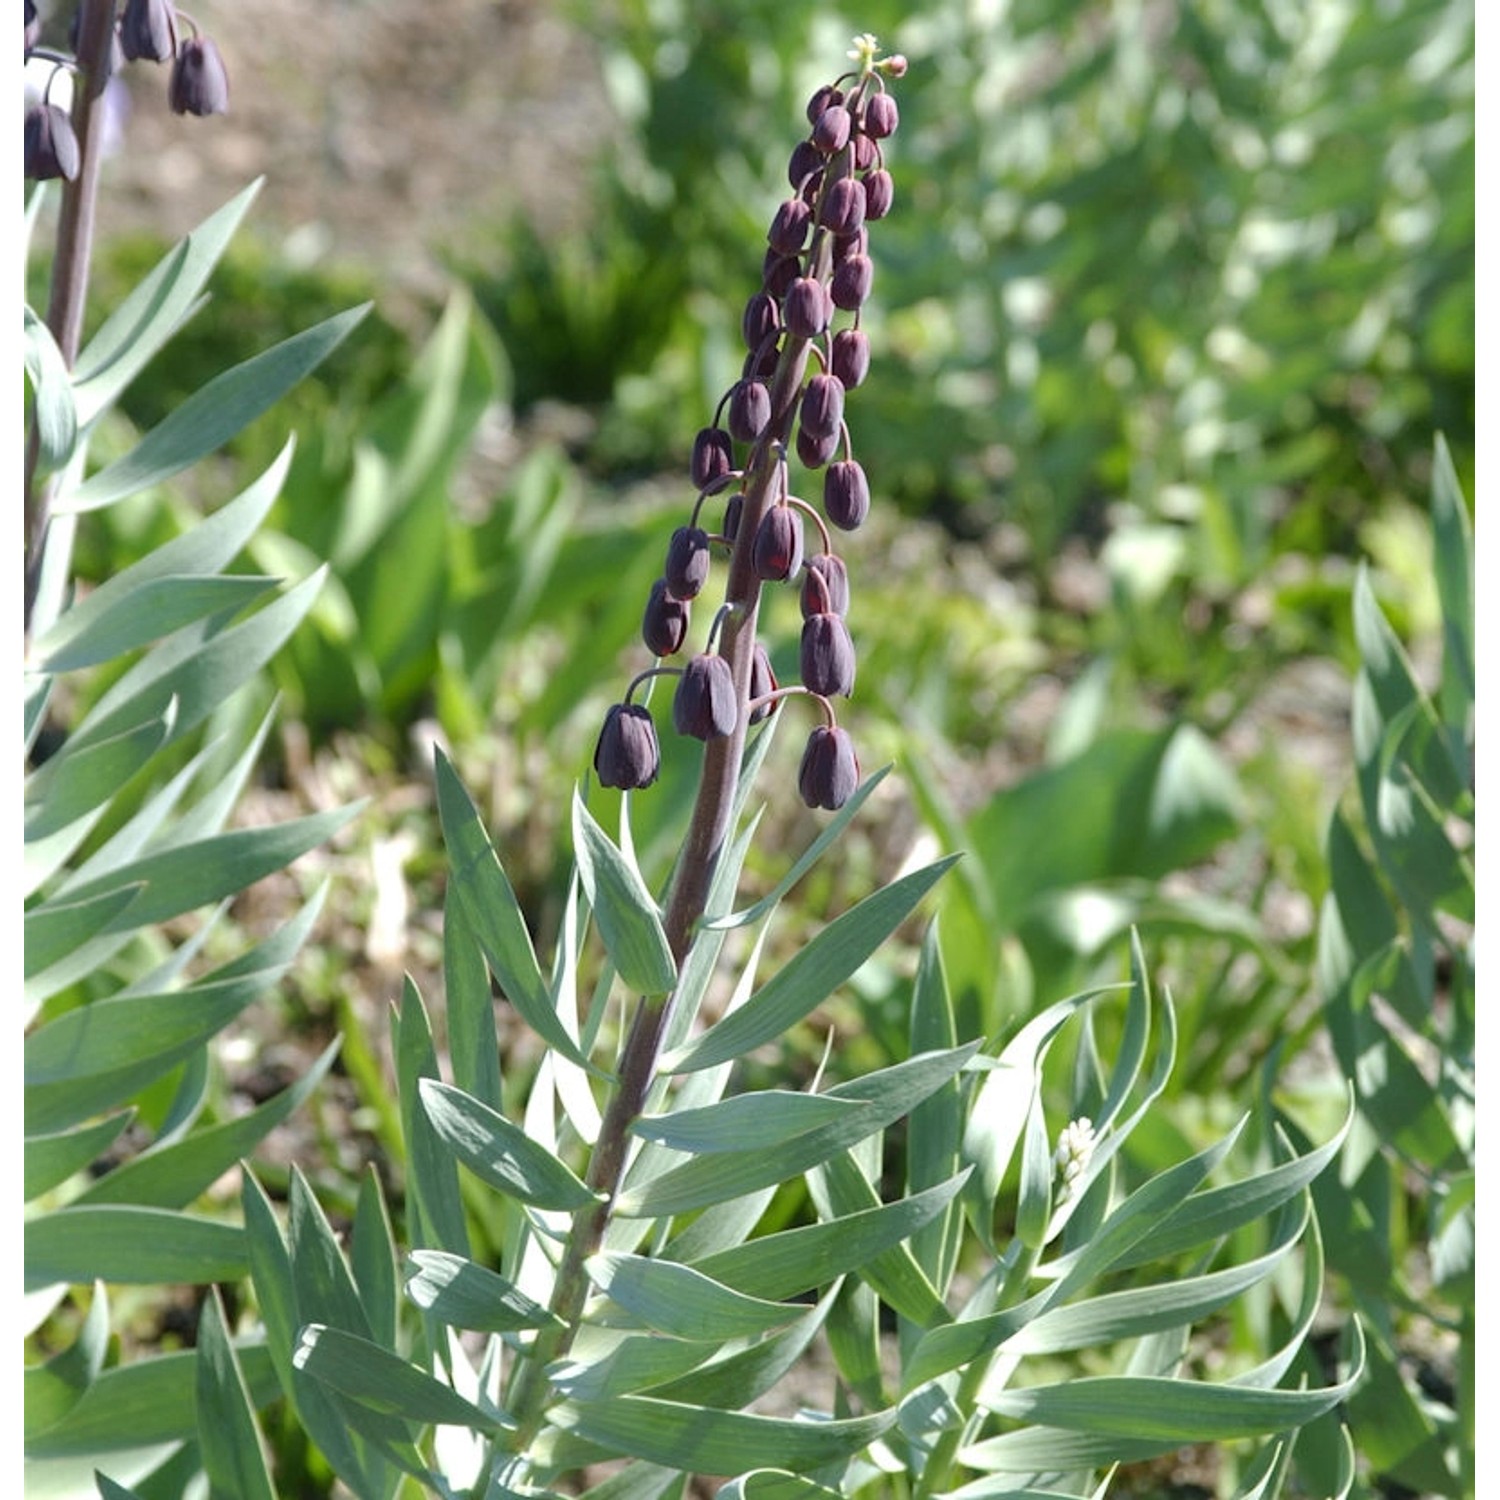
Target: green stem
(70, 264)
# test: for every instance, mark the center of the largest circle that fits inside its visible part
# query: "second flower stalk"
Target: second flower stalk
(791, 394)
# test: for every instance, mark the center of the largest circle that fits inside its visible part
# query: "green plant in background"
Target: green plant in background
(1396, 972)
(138, 747)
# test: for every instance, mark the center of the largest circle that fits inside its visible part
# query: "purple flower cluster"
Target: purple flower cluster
(798, 370)
(145, 30)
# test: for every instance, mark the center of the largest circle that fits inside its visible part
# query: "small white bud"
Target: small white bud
(1075, 1148)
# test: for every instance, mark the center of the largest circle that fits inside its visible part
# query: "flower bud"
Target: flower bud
(788, 232)
(148, 30)
(851, 357)
(749, 410)
(732, 513)
(808, 307)
(199, 85)
(894, 66)
(687, 562)
(777, 553)
(843, 208)
(814, 451)
(821, 99)
(713, 456)
(627, 754)
(704, 705)
(846, 495)
(822, 406)
(829, 775)
(51, 144)
(827, 655)
(762, 319)
(879, 193)
(762, 682)
(778, 272)
(865, 153)
(857, 243)
(805, 166)
(825, 586)
(831, 129)
(881, 116)
(851, 282)
(664, 626)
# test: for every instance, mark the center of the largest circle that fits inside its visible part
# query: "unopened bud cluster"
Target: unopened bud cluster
(143, 31)
(798, 370)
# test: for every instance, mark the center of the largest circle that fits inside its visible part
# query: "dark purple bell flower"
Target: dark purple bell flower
(704, 705)
(199, 85)
(664, 626)
(627, 755)
(829, 775)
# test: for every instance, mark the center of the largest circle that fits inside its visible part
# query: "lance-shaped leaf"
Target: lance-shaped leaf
(998, 1117)
(810, 975)
(464, 1295)
(494, 914)
(213, 414)
(145, 1402)
(1148, 1408)
(840, 1187)
(887, 1095)
(682, 1303)
(227, 1434)
(207, 547)
(434, 1205)
(732, 1381)
(769, 1118)
(54, 1157)
(795, 1261)
(172, 1175)
(498, 1152)
(1215, 1212)
(52, 1389)
(198, 667)
(155, 309)
(636, 1362)
(623, 909)
(54, 929)
(383, 1381)
(197, 874)
(116, 1242)
(98, 1056)
(716, 1442)
(1101, 1320)
(153, 609)
(56, 412)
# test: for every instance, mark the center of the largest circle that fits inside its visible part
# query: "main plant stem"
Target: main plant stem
(70, 263)
(702, 847)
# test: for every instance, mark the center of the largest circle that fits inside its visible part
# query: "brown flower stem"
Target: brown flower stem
(70, 263)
